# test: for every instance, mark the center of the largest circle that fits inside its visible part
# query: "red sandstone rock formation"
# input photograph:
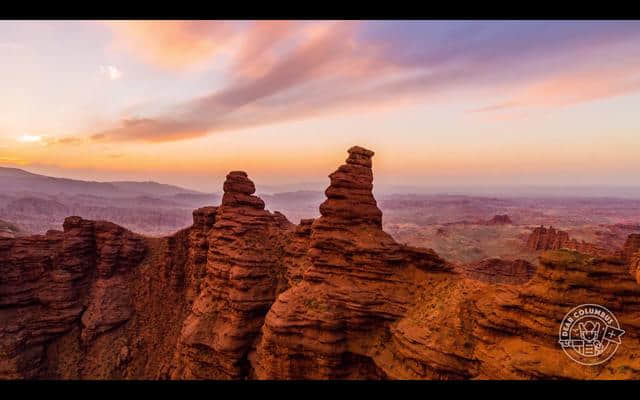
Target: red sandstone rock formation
(554, 239)
(243, 293)
(547, 239)
(357, 283)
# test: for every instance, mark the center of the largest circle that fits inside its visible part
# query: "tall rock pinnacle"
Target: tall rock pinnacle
(349, 196)
(353, 281)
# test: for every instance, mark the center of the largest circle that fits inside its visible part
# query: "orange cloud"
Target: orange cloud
(172, 44)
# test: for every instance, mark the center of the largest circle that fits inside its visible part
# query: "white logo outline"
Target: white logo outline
(598, 331)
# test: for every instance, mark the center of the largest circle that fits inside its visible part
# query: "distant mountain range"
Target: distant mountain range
(36, 203)
(14, 180)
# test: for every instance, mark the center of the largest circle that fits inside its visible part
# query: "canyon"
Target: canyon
(243, 293)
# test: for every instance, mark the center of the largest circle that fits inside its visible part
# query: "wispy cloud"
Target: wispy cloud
(284, 71)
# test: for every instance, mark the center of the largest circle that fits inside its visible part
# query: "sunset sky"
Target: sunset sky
(440, 102)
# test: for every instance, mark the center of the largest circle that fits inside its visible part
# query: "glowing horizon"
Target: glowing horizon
(440, 102)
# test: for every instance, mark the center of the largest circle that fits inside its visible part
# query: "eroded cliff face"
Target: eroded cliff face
(52, 284)
(245, 294)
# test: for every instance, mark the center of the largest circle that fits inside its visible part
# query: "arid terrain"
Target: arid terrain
(243, 293)
(464, 228)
